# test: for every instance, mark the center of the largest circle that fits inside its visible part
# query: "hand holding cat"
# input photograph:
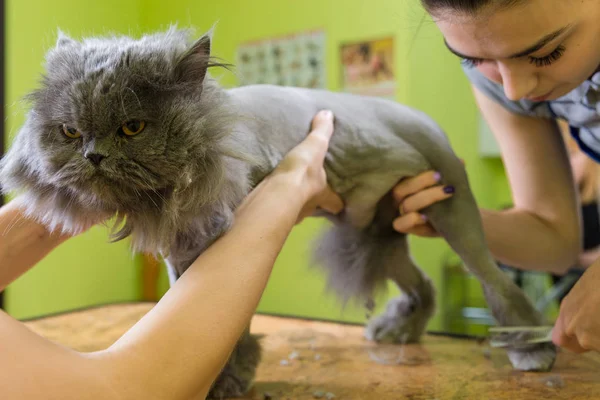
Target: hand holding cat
(305, 163)
(415, 194)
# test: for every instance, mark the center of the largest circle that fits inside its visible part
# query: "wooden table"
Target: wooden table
(307, 359)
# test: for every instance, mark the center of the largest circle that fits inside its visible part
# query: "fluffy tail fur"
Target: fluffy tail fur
(359, 261)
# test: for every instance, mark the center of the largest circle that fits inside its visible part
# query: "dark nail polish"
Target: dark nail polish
(449, 189)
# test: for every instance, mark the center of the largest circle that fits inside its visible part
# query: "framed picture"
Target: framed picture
(368, 67)
(293, 60)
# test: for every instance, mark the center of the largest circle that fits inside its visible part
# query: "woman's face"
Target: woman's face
(538, 50)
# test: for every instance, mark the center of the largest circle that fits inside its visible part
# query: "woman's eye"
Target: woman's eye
(471, 62)
(549, 59)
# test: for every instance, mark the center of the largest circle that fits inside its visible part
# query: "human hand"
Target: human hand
(577, 327)
(304, 164)
(411, 195)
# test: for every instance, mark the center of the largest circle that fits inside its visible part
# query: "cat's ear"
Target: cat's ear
(194, 63)
(64, 40)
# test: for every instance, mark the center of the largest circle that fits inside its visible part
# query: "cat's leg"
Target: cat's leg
(406, 316)
(237, 378)
(458, 220)
(361, 260)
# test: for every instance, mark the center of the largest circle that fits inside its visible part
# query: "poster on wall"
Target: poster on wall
(368, 68)
(292, 60)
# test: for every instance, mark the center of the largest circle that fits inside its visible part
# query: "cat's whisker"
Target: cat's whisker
(71, 200)
(154, 174)
(137, 192)
(53, 140)
(142, 180)
(149, 186)
(160, 196)
(136, 97)
(152, 200)
(123, 106)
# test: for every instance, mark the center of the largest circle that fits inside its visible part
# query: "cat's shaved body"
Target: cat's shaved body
(176, 184)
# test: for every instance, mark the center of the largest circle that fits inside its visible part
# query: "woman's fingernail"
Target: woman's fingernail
(449, 189)
(327, 114)
(437, 176)
(424, 217)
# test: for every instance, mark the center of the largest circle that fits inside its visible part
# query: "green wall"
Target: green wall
(86, 270)
(429, 78)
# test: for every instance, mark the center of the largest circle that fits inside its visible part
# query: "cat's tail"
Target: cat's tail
(359, 261)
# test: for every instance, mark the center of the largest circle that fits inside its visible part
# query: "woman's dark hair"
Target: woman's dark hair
(465, 6)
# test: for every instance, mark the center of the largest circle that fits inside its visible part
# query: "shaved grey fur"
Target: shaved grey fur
(174, 187)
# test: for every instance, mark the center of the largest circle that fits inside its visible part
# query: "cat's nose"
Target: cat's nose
(95, 158)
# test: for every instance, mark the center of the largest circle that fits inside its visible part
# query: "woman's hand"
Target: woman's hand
(577, 327)
(304, 165)
(414, 194)
(23, 242)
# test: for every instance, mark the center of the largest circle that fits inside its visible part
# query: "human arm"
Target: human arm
(23, 242)
(179, 347)
(541, 231)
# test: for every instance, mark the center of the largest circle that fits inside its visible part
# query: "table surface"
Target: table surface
(306, 359)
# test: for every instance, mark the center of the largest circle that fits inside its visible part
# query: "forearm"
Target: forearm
(23, 243)
(523, 240)
(196, 324)
(35, 368)
(542, 231)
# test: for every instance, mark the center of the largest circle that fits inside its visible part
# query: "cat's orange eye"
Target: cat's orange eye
(133, 127)
(71, 132)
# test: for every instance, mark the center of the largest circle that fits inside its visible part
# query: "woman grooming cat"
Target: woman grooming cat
(530, 62)
(193, 329)
(85, 146)
(138, 129)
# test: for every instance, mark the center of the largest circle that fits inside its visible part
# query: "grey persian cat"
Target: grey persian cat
(136, 128)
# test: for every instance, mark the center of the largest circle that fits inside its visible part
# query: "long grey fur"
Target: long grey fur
(174, 187)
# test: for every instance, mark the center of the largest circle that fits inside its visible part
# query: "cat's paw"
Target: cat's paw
(538, 358)
(402, 322)
(237, 377)
(229, 386)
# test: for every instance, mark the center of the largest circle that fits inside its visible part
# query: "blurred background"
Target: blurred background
(387, 48)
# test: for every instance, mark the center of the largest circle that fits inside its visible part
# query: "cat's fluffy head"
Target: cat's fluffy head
(118, 127)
